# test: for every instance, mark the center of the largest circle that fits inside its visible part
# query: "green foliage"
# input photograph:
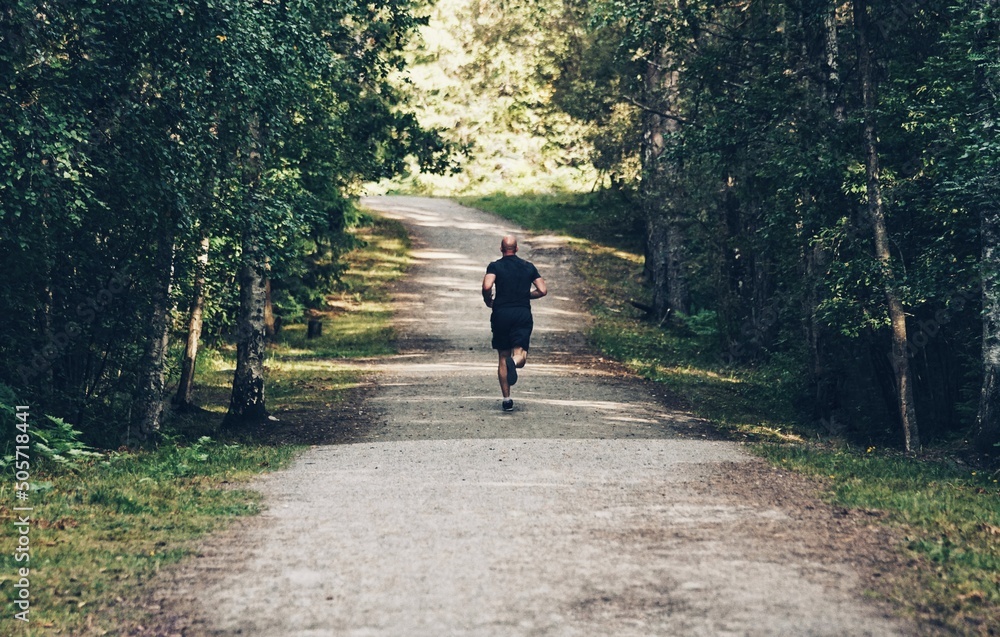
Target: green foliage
(179, 461)
(99, 532)
(53, 441)
(136, 131)
(704, 324)
(480, 71)
(762, 176)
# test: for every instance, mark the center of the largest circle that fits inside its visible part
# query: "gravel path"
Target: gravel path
(590, 510)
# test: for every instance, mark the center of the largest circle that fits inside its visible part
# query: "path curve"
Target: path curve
(590, 510)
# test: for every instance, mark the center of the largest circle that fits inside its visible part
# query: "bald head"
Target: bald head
(508, 245)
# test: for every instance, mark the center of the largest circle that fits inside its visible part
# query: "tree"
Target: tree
(661, 188)
(986, 92)
(964, 80)
(788, 157)
(183, 398)
(900, 354)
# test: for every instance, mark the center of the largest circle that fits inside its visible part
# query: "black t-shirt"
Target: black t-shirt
(514, 277)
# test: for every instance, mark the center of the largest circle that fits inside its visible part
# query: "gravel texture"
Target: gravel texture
(592, 509)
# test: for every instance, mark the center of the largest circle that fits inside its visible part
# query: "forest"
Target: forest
(818, 180)
(179, 172)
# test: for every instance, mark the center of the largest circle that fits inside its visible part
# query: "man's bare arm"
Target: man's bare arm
(540, 288)
(488, 282)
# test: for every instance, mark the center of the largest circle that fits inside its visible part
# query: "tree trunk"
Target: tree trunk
(831, 89)
(815, 254)
(270, 325)
(183, 397)
(987, 431)
(656, 260)
(148, 406)
(826, 397)
(900, 357)
(314, 328)
(664, 240)
(652, 147)
(246, 403)
(677, 290)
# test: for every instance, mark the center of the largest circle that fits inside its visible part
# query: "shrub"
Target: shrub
(51, 439)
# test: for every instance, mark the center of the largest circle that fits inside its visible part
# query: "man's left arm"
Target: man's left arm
(540, 288)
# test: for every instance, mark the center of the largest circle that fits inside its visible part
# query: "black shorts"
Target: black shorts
(511, 327)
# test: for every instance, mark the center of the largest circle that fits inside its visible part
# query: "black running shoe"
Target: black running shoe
(511, 371)
(508, 404)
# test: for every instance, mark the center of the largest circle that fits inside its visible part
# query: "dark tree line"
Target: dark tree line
(166, 164)
(831, 168)
(822, 176)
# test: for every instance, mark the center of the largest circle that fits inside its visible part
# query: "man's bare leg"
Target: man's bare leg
(520, 356)
(502, 373)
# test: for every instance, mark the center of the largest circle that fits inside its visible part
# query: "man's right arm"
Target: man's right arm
(488, 282)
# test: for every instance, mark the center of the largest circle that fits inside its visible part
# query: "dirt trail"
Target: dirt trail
(592, 509)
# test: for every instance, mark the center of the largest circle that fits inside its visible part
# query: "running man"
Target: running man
(513, 278)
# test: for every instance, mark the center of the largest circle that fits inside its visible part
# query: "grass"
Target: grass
(948, 513)
(100, 531)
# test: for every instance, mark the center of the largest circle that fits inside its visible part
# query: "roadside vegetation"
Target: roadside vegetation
(945, 510)
(104, 523)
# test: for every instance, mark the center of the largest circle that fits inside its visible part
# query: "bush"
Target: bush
(704, 323)
(51, 439)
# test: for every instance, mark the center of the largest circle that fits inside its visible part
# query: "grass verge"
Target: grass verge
(101, 530)
(947, 513)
